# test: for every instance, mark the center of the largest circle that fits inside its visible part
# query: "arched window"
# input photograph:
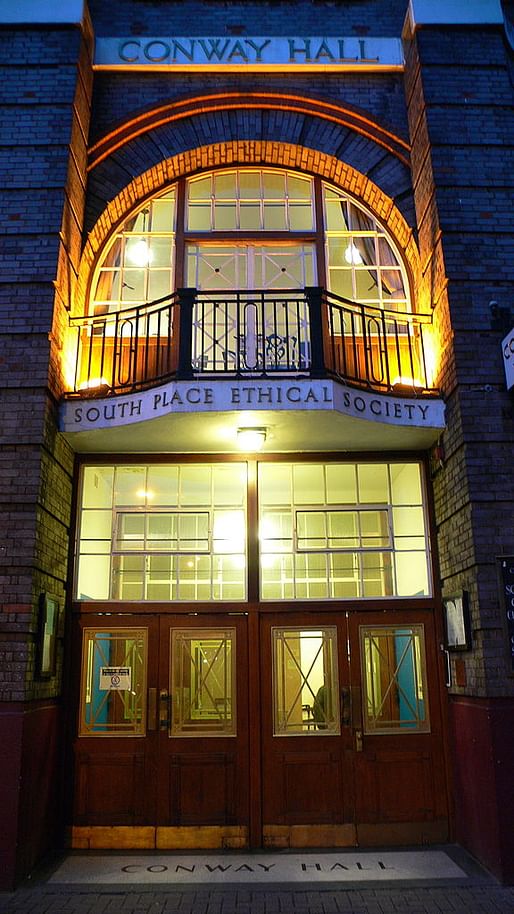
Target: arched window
(250, 228)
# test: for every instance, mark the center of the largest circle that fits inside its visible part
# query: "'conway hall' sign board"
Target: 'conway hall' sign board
(248, 53)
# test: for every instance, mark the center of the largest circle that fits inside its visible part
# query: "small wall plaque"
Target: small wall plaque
(47, 636)
(457, 622)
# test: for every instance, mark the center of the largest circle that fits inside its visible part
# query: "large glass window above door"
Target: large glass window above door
(163, 533)
(324, 530)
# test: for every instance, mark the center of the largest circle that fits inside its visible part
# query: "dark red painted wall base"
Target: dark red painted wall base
(29, 757)
(483, 747)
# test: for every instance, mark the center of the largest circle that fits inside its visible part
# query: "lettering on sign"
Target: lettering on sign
(227, 396)
(376, 865)
(506, 576)
(255, 53)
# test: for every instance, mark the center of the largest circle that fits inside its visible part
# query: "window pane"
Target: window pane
(130, 486)
(343, 529)
(373, 483)
(162, 214)
(195, 485)
(275, 217)
(225, 187)
(274, 185)
(412, 574)
(93, 578)
(199, 217)
(96, 525)
(225, 219)
(128, 577)
(377, 576)
(199, 188)
(305, 682)
(250, 185)
(309, 484)
(394, 679)
(250, 217)
(130, 532)
(299, 188)
(229, 484)
(300, 217)
(162, 485)
(406, 484)
(275, 484)
(97, 483)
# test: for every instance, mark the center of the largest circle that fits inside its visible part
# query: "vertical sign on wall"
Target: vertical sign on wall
(507, 587)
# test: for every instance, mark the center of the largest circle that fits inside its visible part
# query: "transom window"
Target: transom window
(234, 235)
(331, 531)
(246, 200)
(166, 533)
(325, 531)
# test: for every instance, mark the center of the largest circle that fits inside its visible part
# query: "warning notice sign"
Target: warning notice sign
(115, 677)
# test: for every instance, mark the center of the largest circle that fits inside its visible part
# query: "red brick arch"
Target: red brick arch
(247, 152)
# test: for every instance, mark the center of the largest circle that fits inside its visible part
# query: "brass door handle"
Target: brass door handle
(164, 710)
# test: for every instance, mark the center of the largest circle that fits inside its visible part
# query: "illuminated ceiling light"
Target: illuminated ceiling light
(139, 253)
(144, 493)
(251, 439)
(353, 255)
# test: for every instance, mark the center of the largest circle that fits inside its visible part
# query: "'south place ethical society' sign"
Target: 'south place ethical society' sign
(248, 53)
(230, 396)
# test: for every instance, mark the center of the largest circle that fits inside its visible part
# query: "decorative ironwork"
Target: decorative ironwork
(309, 332)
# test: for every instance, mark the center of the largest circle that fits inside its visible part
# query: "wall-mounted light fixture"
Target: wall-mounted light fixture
(251, 439)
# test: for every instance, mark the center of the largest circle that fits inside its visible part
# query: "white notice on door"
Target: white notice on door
(115, 677)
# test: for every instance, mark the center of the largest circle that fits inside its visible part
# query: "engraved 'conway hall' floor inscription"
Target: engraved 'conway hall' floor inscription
(382, 866)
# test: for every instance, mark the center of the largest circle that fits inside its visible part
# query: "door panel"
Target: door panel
(114, 764)
(307, 765)
(176, 761)
(342, 711)
(203, 747)
(399, 759)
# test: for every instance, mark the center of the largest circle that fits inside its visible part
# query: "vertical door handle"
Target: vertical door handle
(164, 710)
(152, 709)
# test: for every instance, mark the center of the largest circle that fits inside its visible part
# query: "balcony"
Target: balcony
(309, 333)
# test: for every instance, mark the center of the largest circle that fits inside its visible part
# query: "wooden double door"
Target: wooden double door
(297, 729)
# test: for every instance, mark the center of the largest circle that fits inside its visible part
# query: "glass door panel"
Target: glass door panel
(305, 681)
(113, 693)
(203, 683)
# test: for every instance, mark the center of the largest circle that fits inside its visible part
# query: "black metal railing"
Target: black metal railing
(308, 332)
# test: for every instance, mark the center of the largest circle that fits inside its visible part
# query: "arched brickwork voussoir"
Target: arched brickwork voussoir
(247, 152)
(343, 115)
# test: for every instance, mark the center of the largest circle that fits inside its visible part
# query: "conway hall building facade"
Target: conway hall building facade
(257, 551)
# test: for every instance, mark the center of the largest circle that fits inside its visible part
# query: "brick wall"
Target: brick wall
(460, 97)
(45, 87)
